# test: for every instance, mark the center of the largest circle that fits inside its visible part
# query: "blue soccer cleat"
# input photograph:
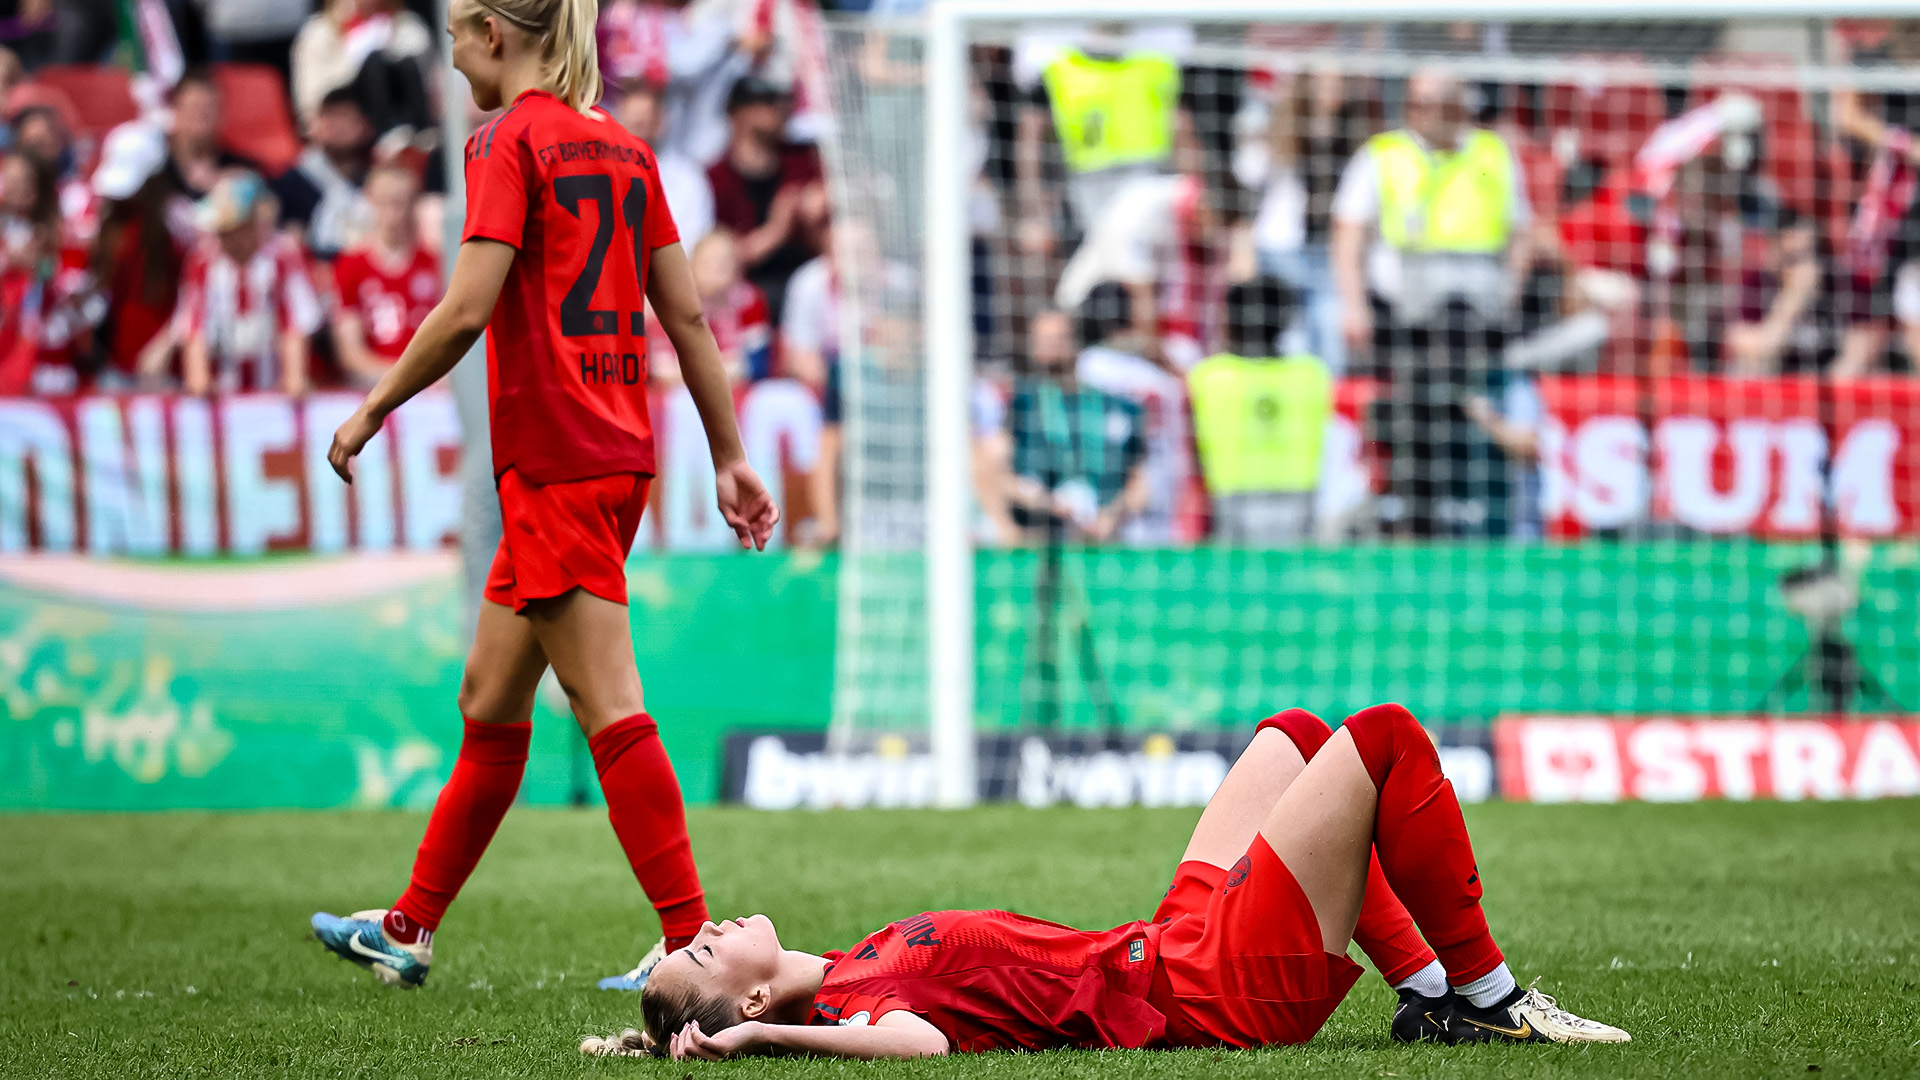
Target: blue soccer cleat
(637, 978)
(359, 938)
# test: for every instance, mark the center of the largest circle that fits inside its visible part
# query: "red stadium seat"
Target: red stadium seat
(102, 95)
(256, 119)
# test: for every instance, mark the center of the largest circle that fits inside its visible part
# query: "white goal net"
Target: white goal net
(1518, 371)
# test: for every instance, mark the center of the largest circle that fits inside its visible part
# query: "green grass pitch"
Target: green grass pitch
(1732, 940)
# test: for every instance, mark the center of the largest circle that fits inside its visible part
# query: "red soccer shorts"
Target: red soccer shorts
(557, 537)
(1241, 963)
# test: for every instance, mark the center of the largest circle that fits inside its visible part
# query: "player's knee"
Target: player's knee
(484, 698)
(1308, 732)
(1388, 733)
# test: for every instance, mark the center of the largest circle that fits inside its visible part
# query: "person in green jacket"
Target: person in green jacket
(1259, 420)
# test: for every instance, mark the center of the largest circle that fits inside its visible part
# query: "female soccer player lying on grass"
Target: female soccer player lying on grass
(1248, 948)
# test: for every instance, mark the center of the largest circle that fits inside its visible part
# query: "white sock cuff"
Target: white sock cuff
(1488, 988)
(1429, 981)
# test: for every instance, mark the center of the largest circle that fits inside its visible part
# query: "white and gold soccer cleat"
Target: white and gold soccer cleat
(1526, 1016)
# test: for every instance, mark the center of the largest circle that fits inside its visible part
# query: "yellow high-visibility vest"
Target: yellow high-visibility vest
(1112, 112)
(1452, 201)
(1260, 424)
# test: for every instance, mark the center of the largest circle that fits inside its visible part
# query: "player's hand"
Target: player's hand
(693, 1044)
(744, 502)
(349, 440)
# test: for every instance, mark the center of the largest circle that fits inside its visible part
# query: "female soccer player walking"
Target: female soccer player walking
(567, 231)
(1313, 840)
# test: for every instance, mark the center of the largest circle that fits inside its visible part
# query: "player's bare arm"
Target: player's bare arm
(446, 334)
(895, 1035)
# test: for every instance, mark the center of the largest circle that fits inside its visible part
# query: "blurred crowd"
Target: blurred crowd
(1177, 264)
(1194, 259)
(232, 195)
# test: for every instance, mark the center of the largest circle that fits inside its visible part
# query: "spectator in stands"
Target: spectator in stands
(1114, 100)
(247, 307)
(693, 53)
(1077, 452)
(1161, 237)
(41, 133)
(1884, 242)
(145, 229)
(1514, 421)
(760, 188)
(992, 458)
(1784, 322)
(1113, 362)
(735, 311)
(29, 213)
(1259, 421)
(321, 194)
(641, 110)
(29, 229)
(1290, 149)
(375, 49)
(1450, 208)
(195, 157)
(384, 286)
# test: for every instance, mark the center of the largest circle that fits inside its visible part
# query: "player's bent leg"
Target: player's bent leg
(588, 640)
(1322, 829)
(496, 702)
(1426, 855)
(1384, 931)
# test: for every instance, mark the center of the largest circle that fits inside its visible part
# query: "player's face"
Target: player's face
(729, 958)
(476, 51)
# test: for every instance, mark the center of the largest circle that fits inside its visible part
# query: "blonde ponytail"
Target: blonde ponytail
(569, 46)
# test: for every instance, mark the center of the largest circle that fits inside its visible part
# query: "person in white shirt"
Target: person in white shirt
(641, 111)
(1109, 363)
(1442, 283)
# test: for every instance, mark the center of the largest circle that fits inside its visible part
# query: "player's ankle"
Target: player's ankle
(1428, 982)
(1490, 989)
(404, 931)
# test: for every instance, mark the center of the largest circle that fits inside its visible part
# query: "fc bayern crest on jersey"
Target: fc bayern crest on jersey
(1240, 871)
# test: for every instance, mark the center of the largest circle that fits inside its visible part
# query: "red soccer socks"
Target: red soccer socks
(1421, 841)
(1385, 931)
(643, 802)
(485, 779)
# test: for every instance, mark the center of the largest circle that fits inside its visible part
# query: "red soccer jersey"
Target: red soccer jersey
(390, 300)
(566, 348)
(993, 980)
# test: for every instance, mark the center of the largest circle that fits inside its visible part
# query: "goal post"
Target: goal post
(915, 601)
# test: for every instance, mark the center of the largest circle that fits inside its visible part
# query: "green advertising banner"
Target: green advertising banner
(311, 681)
(331, 682)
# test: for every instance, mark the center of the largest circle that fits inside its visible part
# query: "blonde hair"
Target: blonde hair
(569, 51)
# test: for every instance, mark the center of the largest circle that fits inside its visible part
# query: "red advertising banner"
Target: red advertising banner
(1583, 759)
(1730, 456)
(170, 474)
